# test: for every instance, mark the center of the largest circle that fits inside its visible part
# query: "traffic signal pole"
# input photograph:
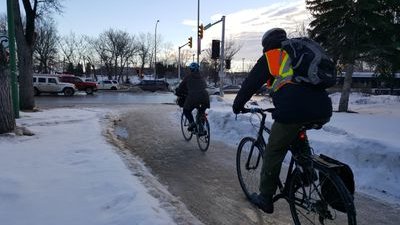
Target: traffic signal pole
(222, 54)
(179, 55)
(222, 59)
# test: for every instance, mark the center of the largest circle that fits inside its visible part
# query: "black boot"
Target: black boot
(192, 127)
(264, 203)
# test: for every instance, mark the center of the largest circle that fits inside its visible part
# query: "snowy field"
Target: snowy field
(67, 173)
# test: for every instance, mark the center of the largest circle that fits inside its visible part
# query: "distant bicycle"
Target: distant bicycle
(313, 188)
(202, 130)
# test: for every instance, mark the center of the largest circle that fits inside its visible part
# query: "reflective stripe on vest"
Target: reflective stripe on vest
(280, 68)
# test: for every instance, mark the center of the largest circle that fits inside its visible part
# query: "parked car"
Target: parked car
(231, 89)
(153, 85)
(108, 85)
(212, 90)
(45, 83)
(88, 87)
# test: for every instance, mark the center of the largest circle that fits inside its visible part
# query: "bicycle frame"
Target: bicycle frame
(261, 142)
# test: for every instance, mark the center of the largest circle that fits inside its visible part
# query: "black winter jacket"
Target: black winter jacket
(193, 86)
(294, 103)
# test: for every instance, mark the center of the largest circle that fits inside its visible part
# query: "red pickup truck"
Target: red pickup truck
(88, 87)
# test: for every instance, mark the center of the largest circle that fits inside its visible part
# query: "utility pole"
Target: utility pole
(13, 65)
(198, 24)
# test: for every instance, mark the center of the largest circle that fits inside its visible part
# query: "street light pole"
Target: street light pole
(243, 65)
(155, 50)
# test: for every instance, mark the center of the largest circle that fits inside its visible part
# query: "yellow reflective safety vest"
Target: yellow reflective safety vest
(280, 67)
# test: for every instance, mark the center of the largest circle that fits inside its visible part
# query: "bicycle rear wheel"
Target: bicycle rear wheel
(308, 204)
(203, 135)
(184, 127)
(248, 165)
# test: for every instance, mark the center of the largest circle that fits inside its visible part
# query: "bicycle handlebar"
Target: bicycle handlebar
(257, 110)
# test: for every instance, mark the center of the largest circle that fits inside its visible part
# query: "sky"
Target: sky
(246, 21)
(65, 175)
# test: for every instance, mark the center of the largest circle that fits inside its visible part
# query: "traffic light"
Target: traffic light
(228, 64)
(215, 48)
(200, 31)
(190, 41)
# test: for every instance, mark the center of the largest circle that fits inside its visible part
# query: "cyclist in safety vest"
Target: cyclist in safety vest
(295, 105)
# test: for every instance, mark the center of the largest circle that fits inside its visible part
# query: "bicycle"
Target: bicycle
(202, 130)
(307, 179)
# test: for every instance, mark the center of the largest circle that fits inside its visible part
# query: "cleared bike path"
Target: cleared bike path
(206, 182)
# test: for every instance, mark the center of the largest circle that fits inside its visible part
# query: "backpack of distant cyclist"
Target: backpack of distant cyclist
(310, 62)
(329, 191)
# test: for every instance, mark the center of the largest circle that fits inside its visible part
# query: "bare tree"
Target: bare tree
(3, 22)
(7, 119)
(25, 37)
(71, 47)
(45, 50)
(90, 56)
(231, 48)
(145, 49)
(115, 49)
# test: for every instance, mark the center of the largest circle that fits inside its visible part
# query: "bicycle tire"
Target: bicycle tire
(307, 204)
(249, 158)
(203, 141)
(187, 135)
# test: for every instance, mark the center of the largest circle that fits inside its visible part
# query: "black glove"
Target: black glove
(237, 109)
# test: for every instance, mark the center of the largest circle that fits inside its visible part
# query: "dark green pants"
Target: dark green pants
(282, 135)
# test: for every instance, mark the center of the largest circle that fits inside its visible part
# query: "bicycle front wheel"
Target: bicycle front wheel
(184, 127)
(203, 135)
(249, 158)
(310, 203)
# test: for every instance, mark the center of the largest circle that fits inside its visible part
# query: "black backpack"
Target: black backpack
(310, 62)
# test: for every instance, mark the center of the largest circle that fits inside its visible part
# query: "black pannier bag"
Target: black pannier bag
(328, 190)
(180, 100)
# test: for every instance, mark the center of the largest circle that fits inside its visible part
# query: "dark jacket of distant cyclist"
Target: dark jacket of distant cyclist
(294, 103)
(193, 86)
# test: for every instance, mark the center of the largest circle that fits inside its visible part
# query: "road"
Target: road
(103, 99)
(206, 182)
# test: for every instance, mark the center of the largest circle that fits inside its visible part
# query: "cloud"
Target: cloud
(247, 26)
(192, 23)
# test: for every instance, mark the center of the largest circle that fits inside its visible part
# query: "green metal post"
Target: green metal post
(13, 65)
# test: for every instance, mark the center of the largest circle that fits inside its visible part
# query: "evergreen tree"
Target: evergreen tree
(385, 51)
(79, 70)
(70, 68)
(351, 30)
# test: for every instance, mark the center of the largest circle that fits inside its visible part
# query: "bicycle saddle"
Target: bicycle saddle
(313, 125)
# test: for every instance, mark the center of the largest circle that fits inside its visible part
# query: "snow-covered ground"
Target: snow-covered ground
(67, 173)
